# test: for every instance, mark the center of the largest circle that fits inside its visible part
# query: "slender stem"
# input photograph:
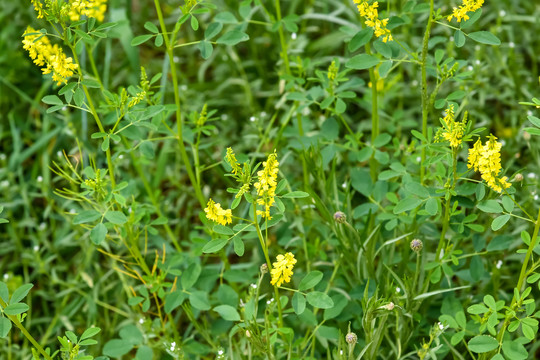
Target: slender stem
(179, 120)
(374, 116)
(425, 95)
(284, 53)
(265, 251)
(95, 115)
(25, 332)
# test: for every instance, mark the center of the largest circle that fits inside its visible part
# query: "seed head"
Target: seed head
(416, 245)
(340, 217)
(264, 268)
(351, 338)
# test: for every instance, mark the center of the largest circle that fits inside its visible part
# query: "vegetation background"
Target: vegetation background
(399, 303)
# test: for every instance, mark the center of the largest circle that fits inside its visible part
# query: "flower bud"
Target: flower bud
(416, 245)
(340, 217)
(390, 306)
(264, 268)
(351, 338)
(526, 136)
(518, 178)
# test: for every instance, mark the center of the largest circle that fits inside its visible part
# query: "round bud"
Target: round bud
(340, 217)
(351, 338)
(416, 245)
(390, 306)
(518, 178)
(526, 136)
(264, 268)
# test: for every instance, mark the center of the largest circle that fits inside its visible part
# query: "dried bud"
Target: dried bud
(264, 268)
(340, 217)
(526, 136)
(248, 334)
(351, 338)
(416, 245)
(518, 178)
(390, 306)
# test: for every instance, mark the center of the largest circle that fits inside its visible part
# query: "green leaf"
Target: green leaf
(138, 40)
(233, 37)
(151, 27)
(136, 300)
(143, 353)
(499, 222)
(490, 206)
(4, 292)
(362, 61)
(382, 140)
(88, 333)
(360, 39)
(131, 334)
(212, 30)
(320, 300)
(147, 150)
(432, 206)
(485, 37)
(98, 234)
(117, 348)
(194, 23)
(459, 38)
(174, 300)
(471, 20)
(310, 280)
(20, 293)
(407, 204)
(514, 350)
(206, 49)
(86, 216)
(16, 309)
(508, 204)
(238, 246)
(190, 276)
(483, 343)
(298, 303)
(5, 327)
(52, 100)
(227, 312)
(534, 120)
(223, 230)
(296, 195)
(214, 245)
(199, 300)
(116, 217)
(105, 144)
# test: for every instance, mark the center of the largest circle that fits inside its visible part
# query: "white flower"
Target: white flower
(293, 36)
(252, 119)
(39, 178)
(499, 264)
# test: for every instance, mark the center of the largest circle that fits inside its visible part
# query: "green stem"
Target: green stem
(179, 121)
(284, 53)
(425, 95)
(95, 115)
(265, 251)
(25, 332)
(374, 116)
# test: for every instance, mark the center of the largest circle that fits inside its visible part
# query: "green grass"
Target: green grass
(104, 183)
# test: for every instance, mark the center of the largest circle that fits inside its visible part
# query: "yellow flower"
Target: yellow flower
(38, 6)
(51, 58)
(460, 13)
(487, 159)
(90, 8)
(231, 159)
(266, 186)
(370, 13)
(215, 213)
(452, 130)
(282, 269)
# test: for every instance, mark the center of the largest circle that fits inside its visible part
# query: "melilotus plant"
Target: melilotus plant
(376, 203)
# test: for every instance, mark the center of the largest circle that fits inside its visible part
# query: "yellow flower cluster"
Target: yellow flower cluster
(452, 130)
(487, 159)
(38, 6)
(460, 13)
(282, 269)
(266, 185)
(215, 213)
(90, 8)
(51, 58)
(231, 159)
(371, 14)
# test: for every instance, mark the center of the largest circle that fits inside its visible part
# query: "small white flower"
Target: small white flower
(173, 346)
(477, 48)
(39, 178)
(42, 226)
(176, 59)
(4, 184)
(36, 248)
(72, 211)
(2, 156)
(263, 114)
(59, 154)
(306, 111)
(414, 83)
(503, 142)
(129, 210)
(64, 108)
(529, 112)
(254, 286)
(340, 352)
(511, 44)
(441, 326)
(477, 62)
(224, 117)
(418, 159)
(183, 87)
(470, 68)
(536, 197)
(344, 185)
(293, 36)
(220, 352)
(451, 39)
(502, 13)
(531, 175)
(141, 321)
(398, 290)
(120, 156)
(499, 264)
(252, 118)
(6, 276)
